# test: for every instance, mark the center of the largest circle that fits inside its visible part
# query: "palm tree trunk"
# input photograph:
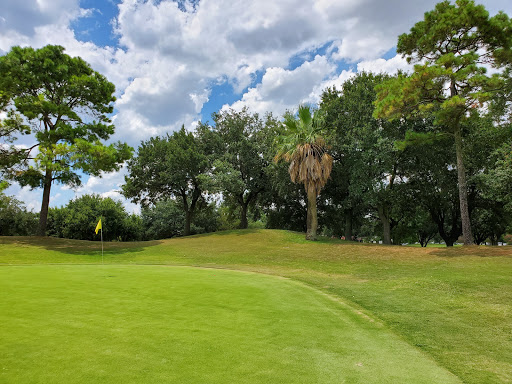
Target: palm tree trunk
(312, 221)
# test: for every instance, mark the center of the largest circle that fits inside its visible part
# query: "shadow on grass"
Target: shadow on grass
(472, 251)
(77, 247)
(236, 232)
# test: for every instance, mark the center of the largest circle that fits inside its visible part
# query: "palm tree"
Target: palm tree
(302, 145)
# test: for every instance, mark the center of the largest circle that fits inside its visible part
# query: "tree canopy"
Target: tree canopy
(452, 46)
(240, 168)
(175, 166)
(67, 105)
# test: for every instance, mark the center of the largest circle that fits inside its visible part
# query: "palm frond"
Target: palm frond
(303, 146)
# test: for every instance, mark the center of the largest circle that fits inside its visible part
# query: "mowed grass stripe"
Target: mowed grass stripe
(148, 324)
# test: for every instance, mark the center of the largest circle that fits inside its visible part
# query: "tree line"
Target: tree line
(403, 158)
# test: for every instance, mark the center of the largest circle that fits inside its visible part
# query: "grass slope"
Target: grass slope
(453, 304)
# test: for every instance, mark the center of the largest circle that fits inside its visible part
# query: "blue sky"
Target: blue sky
(176, 62)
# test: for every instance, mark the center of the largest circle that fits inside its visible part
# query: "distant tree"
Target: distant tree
(56, 217)
(498, 180)
(342, 206)
(10, 128)
(285, 203)
(432, 183)
(369, 167)
(423, 226)
(67, 105)
(78, 220)
(240, 169)
(451, 45)
(303, 146)
(177, 166)
(206, 219)
(163, 220)
(15, 220)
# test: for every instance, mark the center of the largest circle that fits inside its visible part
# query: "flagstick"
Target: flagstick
(101, 245)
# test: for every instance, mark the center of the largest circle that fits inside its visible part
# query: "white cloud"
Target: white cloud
(108, 185)
(25, 16)
(282, 89)
(391, 66)
(170, 57)
(31, 198)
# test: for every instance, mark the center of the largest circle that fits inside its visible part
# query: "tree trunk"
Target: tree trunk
(463, 192)
(243, 216)
(188, 220)
(348, 225)
(386, 225)
(43, 215)
(312, 221)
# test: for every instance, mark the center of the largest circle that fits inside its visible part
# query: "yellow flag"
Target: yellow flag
(98, 227)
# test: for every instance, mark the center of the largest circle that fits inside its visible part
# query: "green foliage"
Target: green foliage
(15, 220)
(451, 47)
(78, 220)
(206, 219)
(11, 156)
(452, 43)
(285, 203)
(163, 220)
(369, 167)
(239, 171)
(177, 166)
(67, 105)
(166, 218)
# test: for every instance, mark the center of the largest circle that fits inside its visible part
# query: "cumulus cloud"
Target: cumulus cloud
(391, 66)
(25, 16)
(171, 53)
(282, 89)
(108, 185)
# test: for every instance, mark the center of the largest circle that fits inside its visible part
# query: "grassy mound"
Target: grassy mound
(453, 304)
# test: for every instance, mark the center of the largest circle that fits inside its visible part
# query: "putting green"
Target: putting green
(154, 324)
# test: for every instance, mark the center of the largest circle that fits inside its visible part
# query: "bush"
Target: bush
(79, 218)
(163, 220)
(15, 220)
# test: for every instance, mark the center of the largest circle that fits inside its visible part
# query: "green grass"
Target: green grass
(154, 324)
(438, 307)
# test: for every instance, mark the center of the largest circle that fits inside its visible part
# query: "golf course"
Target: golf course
(253, 306)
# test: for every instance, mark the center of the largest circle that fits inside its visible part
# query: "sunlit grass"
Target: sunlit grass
(453, 304)
(154, 324)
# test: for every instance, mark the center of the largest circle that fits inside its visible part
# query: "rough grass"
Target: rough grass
(453, 304)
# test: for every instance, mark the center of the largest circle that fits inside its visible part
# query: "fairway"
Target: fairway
(162, 324)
